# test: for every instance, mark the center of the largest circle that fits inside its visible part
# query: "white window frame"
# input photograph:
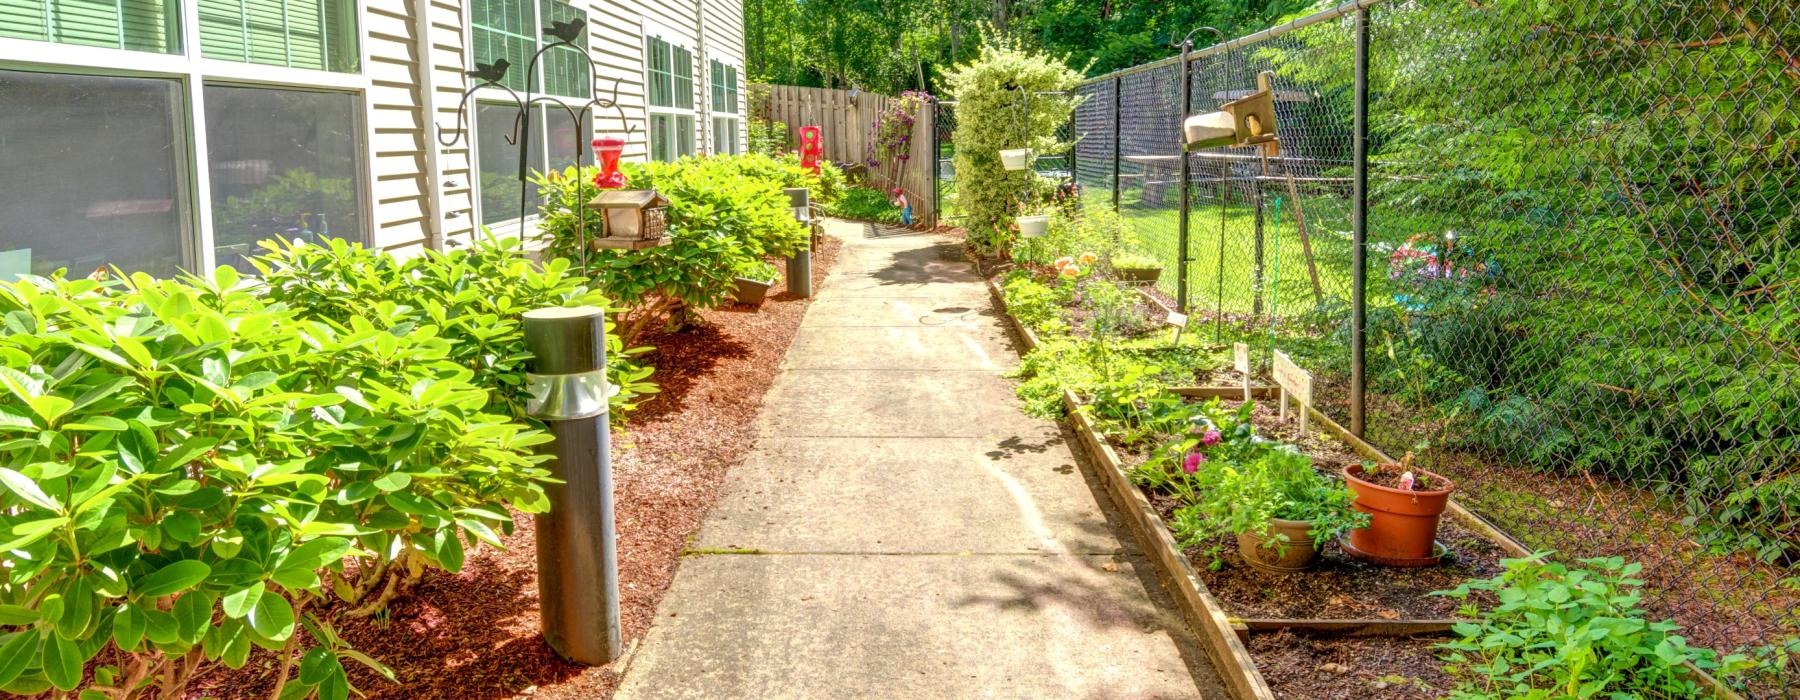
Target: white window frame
(192, 73)
(512, 226)
(717, 112)
(686, 42)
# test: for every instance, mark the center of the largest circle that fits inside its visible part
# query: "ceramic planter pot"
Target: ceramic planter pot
(1033, 226)
(1142, 274)
(1015, 158)
(749, 291)
(1299, 554)
(1403, 525)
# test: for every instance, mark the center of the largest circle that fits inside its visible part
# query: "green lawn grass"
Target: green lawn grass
(1232, 235)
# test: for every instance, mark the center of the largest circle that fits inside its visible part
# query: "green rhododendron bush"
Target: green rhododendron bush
(991, 115)
(726, 213)
(192, 468)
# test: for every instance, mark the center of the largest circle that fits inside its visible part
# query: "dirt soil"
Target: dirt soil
(1350, 668)
(476, 634)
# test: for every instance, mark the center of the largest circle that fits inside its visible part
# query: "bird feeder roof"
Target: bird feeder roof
(637, 199)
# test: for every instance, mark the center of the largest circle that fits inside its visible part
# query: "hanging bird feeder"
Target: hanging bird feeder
(635, 219)
(609, 148)
(812, 148)
(1247, 121)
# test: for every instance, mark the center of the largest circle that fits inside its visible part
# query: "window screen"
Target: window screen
(283, 163)
(108, 193)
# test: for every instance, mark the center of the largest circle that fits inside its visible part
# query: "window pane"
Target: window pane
(684, 135)
(499, 162)
(283, 163)
(683, 68)
(565, 70)
(107, 193)
(661, 140)
(315, 34)
(138, 25)
(563, 136)
(504, 29)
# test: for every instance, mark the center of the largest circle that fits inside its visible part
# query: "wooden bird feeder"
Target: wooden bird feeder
(1246, 121)
(635, 219)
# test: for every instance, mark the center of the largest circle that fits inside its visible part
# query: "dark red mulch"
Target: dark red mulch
(476, 634)
(1350, 668)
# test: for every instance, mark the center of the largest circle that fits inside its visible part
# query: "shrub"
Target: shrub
(189, 467)
(1562, 631)
(990, 93)
(724, 212)
(1135, 261)
(770, 138)
(865, 204)
(471, 297)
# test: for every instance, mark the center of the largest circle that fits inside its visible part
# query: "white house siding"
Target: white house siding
(401, 199)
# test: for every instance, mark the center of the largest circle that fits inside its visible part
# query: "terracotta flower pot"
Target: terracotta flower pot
(1299, 554)
(1402, 527)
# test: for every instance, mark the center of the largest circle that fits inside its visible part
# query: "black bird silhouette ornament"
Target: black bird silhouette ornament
(566, 32)
(490, 72)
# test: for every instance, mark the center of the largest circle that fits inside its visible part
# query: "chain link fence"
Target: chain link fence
(1582, 286)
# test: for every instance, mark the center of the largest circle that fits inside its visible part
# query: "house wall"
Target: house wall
(416, 192)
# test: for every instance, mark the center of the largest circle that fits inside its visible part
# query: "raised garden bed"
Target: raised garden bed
(1347, 629)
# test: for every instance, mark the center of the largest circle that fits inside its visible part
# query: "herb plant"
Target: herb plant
(1563, 631)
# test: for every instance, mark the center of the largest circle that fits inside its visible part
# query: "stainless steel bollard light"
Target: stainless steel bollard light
(799, 267)
(578, 571)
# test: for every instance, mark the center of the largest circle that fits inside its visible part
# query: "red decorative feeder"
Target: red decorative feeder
(812, 147)
(609, 148)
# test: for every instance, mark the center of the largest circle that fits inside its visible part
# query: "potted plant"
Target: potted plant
(1136, 267)
(752, 281)
(1404, 504)
(1015, 158)
(1033, 225)
(1264, 492)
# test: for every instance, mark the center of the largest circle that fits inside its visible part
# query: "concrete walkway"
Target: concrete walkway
(903, 531)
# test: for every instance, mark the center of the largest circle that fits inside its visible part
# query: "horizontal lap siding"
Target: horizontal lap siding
(397, 146)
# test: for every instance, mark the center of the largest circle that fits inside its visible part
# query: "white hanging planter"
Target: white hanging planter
(1015, 158)
(1034, 226)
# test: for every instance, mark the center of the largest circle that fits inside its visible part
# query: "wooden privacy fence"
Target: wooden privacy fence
(848, 120)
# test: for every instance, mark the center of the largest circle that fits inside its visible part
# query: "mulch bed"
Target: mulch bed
(476, 634)
(1350, 668)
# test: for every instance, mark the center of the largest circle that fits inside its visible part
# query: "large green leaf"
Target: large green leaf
(272, 618)
(19, 651)
(174, 578)
(26, 489)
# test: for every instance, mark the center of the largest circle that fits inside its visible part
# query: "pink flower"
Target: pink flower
(1212, 437)
(1192, 463)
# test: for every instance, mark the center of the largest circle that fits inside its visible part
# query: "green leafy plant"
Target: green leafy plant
(1563, 631)
(865, 204)
(991, 98)
(192, 470)
(472, 297)
(1135, 261)
(723, 211)
(757, 270)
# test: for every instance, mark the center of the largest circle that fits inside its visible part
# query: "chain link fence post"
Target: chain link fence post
(1359, 245)
(1181, 235)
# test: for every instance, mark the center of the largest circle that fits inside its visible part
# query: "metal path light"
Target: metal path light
(578, 573)
(799, 265)
(1246, 121)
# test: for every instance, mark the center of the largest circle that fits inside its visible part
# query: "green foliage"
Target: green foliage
(865, 204)
(991, 93)
(1571, 632)
(1230, 481)
(1075, 232)
(725, 212)
(769, 138)
(190, 466)
(472, 297)
(1135, 261)
(1037, 305)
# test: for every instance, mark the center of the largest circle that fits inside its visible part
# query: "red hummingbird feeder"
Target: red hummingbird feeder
(812, 147)
(609, 149)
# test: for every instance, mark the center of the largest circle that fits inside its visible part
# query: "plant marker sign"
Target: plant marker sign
(1295, 383)
(1179, 321)
(1240, 360)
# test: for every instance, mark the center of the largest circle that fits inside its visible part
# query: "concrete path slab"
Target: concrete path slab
(915, 495)
(902, 530)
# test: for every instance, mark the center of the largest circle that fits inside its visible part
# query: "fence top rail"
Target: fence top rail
(1325, 15)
